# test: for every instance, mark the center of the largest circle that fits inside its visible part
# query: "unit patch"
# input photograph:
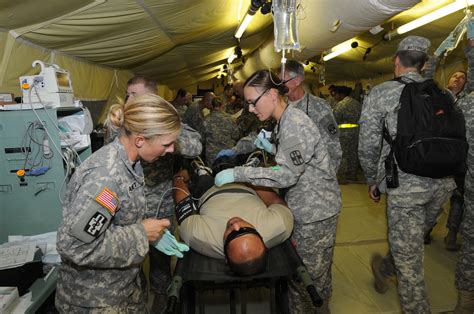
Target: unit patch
(95, 224)
(109, 200)
(296, 158)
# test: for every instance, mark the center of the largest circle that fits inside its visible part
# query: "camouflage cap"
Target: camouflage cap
(416, 43)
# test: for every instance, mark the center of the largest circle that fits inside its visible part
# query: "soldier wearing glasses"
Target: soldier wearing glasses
(304, 168)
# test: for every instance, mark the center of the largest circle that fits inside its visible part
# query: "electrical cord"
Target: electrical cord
(169, 190)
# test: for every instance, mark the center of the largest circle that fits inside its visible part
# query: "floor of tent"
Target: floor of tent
(361, 232)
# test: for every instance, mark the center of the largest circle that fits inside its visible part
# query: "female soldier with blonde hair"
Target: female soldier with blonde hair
(104, 238)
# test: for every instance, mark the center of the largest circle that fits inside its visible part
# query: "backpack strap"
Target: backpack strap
(403, 79)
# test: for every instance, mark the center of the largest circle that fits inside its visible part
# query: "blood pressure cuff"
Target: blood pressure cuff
(96, 216)
(184, 209)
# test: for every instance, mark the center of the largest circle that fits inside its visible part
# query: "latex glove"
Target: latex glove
(226, 152)
(470, 29)
(170, 246)
(449, 42)
(224, 177)
(264, 144)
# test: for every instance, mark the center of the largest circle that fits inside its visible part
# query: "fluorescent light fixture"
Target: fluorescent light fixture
(232, 57)
(243, 26)
(340, 49)
(430, 17)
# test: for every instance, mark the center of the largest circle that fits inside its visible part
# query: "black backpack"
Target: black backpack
(431, 132)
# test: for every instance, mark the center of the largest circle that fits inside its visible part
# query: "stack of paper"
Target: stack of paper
(8, 298)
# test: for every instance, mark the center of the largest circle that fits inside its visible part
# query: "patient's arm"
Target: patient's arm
(180, 181)
(268, 195)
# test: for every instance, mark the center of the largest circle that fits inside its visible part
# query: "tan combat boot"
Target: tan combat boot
(465, 303)
(381, 282)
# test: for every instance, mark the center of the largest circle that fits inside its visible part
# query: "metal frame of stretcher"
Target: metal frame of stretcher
(196, 273)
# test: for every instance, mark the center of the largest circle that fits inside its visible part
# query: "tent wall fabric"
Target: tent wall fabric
(183, 43)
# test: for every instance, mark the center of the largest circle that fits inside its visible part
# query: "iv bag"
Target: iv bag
(284, 21)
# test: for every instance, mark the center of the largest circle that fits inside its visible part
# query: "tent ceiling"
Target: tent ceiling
(181, 42)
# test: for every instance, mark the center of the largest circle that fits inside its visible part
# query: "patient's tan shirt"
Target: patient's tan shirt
(205, 232)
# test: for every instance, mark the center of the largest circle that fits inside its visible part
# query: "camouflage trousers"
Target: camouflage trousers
(315, 245)
(349, 139)
(465, 265)
(455, 211)
(409, 216)
(136, 303)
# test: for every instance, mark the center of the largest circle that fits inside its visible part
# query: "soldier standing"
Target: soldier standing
(104, 235)
(417, 199)
(465, 265)
(316, 108)
(304, 168)
(347, 113)
(221, 132)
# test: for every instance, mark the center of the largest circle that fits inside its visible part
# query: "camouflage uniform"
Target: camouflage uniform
(102, 248)
(313, 195)
(221, 132)
(457, 199)
(347, 114)
(412, 206)
(247, 122)
(465, 265)
(158, 183)
(195, 118)
(320, 112)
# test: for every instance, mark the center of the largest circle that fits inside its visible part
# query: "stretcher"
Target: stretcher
(196, 273)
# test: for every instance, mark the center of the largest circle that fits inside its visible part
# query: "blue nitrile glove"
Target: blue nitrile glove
(470, 29)
(449, 42)
(226, 152)
(168, 245)
(264, 144)
(224, 177)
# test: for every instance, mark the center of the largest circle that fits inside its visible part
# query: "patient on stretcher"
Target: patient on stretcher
(236, 222)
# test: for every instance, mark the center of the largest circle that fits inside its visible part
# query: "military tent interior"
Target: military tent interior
(186, 43)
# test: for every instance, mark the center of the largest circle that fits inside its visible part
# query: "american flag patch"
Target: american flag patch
(108, 199)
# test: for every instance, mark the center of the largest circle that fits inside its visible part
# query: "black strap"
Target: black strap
(232, 190)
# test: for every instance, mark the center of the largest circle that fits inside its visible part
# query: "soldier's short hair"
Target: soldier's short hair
(181, 93)
(412, 58)
(216, 102)
(150, 84)
(294, 68)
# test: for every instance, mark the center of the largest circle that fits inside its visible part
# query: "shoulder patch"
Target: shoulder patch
(109, 200)
(95, 224)
(296, 158)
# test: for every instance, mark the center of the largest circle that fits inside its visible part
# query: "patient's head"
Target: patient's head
(244, 248)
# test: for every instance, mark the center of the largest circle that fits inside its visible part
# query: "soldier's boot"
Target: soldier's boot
(381, 281)
(323, 309)
(465, 303)
(450, 240)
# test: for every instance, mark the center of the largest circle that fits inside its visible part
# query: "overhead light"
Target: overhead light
(243, 26)
(235, 53)
(340, 49)
(231, 58)
(253, 8)
(430, 17)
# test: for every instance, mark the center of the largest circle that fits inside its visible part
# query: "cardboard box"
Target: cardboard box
(7, 99)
